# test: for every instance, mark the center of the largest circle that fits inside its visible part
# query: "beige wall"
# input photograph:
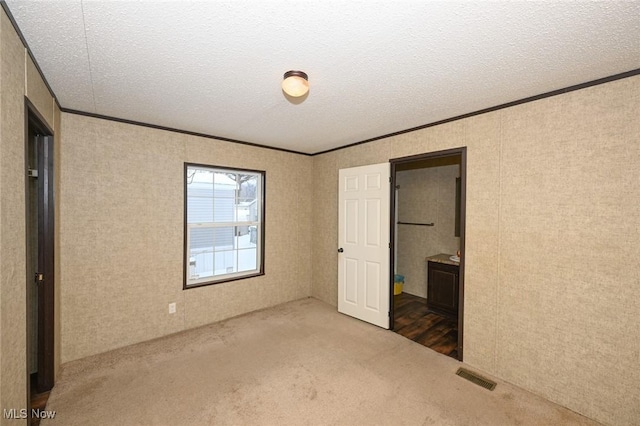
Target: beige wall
(425, 195)
(121, 213)
(18, 78)
(12, 227)
(553, 226)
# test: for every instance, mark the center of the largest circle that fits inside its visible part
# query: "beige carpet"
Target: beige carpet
(297, 363)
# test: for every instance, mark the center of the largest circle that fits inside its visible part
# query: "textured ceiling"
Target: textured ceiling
(374, 67)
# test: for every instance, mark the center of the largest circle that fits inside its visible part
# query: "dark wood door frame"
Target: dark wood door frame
(404, 161)
(42, 136)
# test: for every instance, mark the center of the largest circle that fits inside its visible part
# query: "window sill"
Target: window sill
(222, 281)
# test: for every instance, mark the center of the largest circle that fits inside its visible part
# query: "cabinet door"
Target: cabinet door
(442, 288)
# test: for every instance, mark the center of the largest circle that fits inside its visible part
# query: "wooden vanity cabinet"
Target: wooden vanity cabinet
(443, 288)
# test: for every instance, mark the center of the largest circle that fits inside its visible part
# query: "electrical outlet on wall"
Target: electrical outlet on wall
(172, 308)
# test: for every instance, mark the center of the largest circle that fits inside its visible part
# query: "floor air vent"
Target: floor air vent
(478, 380)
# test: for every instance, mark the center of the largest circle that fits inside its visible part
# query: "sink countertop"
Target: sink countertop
(442, 258)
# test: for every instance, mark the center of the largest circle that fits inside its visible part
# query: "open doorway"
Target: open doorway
(428, 199)
(39, 217)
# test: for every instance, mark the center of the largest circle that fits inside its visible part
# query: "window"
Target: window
(224, 224)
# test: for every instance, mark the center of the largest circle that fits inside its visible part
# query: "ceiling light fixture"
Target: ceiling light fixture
(295, 83)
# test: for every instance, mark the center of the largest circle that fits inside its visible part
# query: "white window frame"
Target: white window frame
(190, 282)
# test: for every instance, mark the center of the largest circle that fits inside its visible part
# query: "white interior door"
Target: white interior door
(363, 239)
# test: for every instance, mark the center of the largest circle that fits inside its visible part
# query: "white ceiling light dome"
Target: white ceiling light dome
(295, 83)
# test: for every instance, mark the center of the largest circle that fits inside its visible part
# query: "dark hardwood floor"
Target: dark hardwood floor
(414, 321)
(38, 401)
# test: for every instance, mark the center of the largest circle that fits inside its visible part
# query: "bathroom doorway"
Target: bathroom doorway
(427, 261)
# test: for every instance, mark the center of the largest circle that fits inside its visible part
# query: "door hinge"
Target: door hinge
(39, 277)
(32, 173)
(390, 179)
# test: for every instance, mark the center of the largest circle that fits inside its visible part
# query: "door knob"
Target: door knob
(340, 250)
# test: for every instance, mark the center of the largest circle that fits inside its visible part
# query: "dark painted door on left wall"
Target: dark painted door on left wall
(40, 272)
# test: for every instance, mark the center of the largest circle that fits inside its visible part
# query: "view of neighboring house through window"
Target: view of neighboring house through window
(223, 224)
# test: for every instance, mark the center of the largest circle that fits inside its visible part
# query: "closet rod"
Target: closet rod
(414, 223)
